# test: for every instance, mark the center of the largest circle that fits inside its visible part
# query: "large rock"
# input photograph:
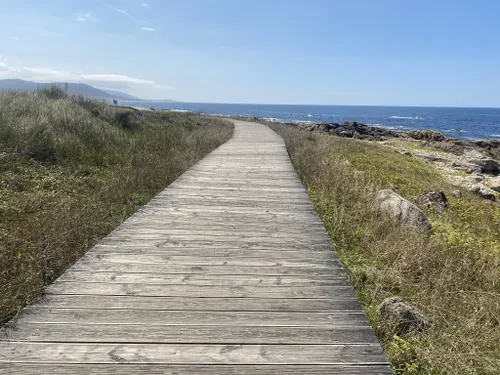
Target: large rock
(495, 183)
(474, 184)
(426, 135)
(402, 211)
(400, 318)
(433, 199)
(467, 167)
(477, 158)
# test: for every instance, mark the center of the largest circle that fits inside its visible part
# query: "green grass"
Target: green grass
(453, 276)
(72, 169)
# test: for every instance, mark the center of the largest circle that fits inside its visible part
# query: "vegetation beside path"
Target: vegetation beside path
(453, 276)
(72, 169)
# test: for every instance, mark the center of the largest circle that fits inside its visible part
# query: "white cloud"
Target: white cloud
(123, 11)
(109, 81)
(145, 5)
(86, 16)
(148, 29)
(16, 38)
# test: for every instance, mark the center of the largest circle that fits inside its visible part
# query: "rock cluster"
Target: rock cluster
(426, 135)
(481, 161)
(474, 184)
(351, 130)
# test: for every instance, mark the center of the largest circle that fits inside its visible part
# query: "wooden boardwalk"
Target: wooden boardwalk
(228, 271)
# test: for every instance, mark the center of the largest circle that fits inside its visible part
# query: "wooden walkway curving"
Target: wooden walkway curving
(227, 271)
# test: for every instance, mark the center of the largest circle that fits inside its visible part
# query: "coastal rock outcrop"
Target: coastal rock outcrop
(426, 135)
(477, 158)
(400, 318)
(433, 199)
(474, 184)
(402, 211)
(351, 130)
(495, 183)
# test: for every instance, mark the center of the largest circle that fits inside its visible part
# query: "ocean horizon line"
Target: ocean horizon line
(308, 105)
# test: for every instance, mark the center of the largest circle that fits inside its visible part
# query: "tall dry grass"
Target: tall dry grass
(453, 277)
(71, 170)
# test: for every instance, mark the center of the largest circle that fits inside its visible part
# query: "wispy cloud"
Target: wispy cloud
(109, 81)
(118, 10)
(16, 38)
(148, 29)
(123, 11)
(85, 16)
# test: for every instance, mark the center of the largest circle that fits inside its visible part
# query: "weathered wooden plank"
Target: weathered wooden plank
(248, 231)
(158, 369)
(187, 334)
(204, 251)
(273, 238)
(233, 240)
(202, 279)
(268, 261)
(37, 314)
(58, 301)
(241, 291)
(199, 209)
(191, 353)
(220, 224)
(177, 243)
(88, 266)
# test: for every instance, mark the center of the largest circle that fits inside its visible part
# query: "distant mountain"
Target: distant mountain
(73, 88)
(120, 95)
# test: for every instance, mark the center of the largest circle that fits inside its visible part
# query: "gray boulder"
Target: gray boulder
(400, 318)
(426, 135)
(474, 184)
(495, 183)
(487, 164)
(402, 211)
(433, 199)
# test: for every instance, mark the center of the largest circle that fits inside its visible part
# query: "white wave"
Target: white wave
(388, 127)
(407, 117)
(273, 119)
(495, 135)
(178, 110)
(397, 128)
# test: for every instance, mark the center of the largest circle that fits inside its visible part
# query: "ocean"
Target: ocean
(467, 123)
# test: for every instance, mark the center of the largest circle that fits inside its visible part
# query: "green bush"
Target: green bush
(53, 92)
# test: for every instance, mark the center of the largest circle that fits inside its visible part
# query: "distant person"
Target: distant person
(115, 102)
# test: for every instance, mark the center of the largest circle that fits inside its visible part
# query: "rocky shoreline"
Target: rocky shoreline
(361, 131)
(472, 165)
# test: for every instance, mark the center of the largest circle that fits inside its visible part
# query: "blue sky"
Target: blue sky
(374, 52)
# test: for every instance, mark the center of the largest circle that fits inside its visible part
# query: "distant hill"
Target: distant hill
(73, 88)
(120, 95)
